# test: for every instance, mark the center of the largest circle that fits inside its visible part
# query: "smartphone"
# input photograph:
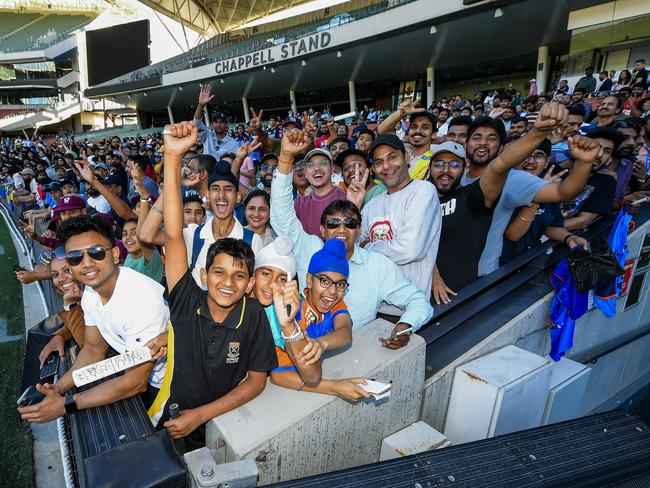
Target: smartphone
(400, 333)
(50, 366)
(30, 396)
(641, 201)
(17, 268)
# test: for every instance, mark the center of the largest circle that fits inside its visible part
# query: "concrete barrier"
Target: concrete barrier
(294, 434)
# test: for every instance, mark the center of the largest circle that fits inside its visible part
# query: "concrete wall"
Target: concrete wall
(295, 434)
(593, 332)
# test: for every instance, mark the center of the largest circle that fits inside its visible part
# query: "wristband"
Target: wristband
(566, 239)
(156, 209)
(525, 220)
(145, 200)
(70, 307)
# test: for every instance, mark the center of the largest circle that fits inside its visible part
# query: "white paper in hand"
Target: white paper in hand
(377, 389)
(107, 367)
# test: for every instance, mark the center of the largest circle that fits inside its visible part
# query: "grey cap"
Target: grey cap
(451, 147)
(314, 152)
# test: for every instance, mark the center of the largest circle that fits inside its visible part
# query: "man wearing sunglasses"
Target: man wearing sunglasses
(373, 277)
(123, 309)
(268, 165)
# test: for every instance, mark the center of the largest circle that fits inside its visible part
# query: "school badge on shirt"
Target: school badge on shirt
(233, 353)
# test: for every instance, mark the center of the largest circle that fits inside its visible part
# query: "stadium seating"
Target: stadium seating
(126, 131)
(38, 31)
(9, 22)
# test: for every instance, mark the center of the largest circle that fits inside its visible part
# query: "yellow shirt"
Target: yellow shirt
(420, 166)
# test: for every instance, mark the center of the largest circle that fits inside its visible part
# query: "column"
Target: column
(206, 118)
(353, 96)
(294, 105)
(170, 113)
(244, 103)
(542, 68)
(430, 87)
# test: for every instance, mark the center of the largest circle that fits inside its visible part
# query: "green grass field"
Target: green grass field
(17, 459)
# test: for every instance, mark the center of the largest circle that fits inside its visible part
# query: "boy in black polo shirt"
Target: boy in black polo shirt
(220, 346)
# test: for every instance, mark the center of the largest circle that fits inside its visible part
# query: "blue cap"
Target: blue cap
(223, 172)
(55, 185)
(331, 258)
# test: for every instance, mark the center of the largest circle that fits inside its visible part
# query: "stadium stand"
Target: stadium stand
(37, 32)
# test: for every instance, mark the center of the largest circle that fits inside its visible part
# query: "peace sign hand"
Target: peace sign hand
(256, 122)
(356, 192)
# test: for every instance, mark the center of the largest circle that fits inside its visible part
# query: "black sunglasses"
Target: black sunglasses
(334, 223)
(97, 253)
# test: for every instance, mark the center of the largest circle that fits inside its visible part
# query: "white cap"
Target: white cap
(451, 147)
(278, 255)
(316, 151)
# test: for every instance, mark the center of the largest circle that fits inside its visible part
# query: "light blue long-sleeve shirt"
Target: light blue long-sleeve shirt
(211, 144)
(373, 279)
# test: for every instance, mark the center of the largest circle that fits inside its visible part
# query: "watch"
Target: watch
(70, 405)
(295, 337)
(72, 306)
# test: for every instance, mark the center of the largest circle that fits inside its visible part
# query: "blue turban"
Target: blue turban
(331, 258)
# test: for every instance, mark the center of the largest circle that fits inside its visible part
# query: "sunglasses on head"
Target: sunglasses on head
(335, 222)
(97, 253)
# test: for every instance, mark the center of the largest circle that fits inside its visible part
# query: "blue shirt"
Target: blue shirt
(373, 278)
(212, 145)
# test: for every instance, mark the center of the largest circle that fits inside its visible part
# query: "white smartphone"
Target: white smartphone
(344, 116)
(641, 201)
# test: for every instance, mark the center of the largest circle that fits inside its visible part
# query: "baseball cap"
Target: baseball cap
(294, 121)
(112, 180)
(55, 185)
(349, 152)
(101, 166)
(387, 140)
(70, 202)
(316, 151)
(28, 171)
(218, 115)
(450, 147)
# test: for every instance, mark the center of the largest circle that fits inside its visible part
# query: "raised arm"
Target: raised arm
(584, 150)
(407, 107)
(550, 116)
(179, 139)
(116, 203)
(150, 229)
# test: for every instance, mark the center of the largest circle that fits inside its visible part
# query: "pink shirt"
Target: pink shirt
(249, 166)
(309, 208)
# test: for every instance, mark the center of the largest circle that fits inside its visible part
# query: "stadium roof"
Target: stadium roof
(214, 17)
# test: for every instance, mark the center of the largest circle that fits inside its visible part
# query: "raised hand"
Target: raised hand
(356, 192)
(284, 297)
(495, 113)
(551, 115)
(179, 138)
(205, 95)
(583, 149)
(410, 107)
(246, 148)
(295, 142)
(85, 171)
(256, 121)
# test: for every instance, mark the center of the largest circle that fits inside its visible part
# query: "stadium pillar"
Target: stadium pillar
(170, 112)
(206, 117)
(294, 105)
(353, 96)
(542, 68)
(430, 86)
(244, 103)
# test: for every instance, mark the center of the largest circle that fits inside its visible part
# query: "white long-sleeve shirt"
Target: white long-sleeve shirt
(405, 226)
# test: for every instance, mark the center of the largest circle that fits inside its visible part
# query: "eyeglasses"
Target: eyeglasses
(97, 253)
(335, 222)
(323, 163)
(451, 164)
(327, 283)
(538, 158)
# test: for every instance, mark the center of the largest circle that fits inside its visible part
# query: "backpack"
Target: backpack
(197, 243)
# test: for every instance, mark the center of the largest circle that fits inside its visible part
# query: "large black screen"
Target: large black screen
(114, 51)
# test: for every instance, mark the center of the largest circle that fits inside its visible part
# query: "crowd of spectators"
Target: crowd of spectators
(240, 256)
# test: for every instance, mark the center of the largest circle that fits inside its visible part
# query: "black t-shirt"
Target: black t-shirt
(209, 358)
(596, 197)
(465, 225)
(547, 215)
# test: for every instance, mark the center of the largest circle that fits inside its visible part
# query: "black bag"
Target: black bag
(150, 461)
(591, 269)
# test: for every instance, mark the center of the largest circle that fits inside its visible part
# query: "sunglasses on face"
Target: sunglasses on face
(268, 167)
(335, 222)
(327, 283)
(323, 163)
(452, 164)
(96, 253)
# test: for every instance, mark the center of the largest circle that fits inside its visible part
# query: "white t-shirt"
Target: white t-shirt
(206, 234)
(100, 204)
(135, 314)
(405, 226)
